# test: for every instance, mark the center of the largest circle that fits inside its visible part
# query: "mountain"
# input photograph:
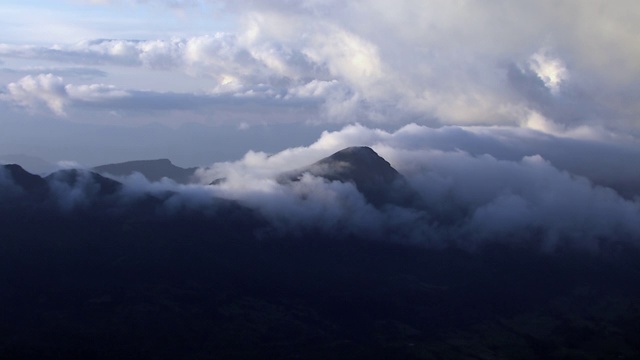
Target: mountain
(38, 187)
(24, 193)
(89, 182)
(32, 186)
(218, 181)
(372, 175)
(153, 170)
(34, 165)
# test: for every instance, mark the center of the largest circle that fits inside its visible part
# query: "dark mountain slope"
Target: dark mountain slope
(153, 170)
(20, 190)
(26, 181)
(90, 182)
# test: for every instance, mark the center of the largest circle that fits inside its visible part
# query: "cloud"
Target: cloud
(78, 194)
(473, 186)
(550, 70)
(432, 62)
(170, 3)
(497, 194)
(68, 164)
(51, 91)
(80, 72)
(450, 60)
(219, 56)
(33, 91)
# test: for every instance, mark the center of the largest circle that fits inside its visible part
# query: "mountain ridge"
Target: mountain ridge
(153, 170)
(372, 175)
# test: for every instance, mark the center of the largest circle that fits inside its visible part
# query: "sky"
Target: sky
(97, 81)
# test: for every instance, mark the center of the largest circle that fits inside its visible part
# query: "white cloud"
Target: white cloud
(433, 62)
(507, 192)
(68, 164)
(473, 186)
(53, 93)
(49, 90)
(95, 92)
(34, 91)
(449, 60)
(550, 70)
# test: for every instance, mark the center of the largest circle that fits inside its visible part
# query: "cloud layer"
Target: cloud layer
(465, 197)
(475, 187)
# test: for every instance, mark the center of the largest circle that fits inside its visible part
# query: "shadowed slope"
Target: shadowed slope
(18, 183)
(23, 179)
(89, 181)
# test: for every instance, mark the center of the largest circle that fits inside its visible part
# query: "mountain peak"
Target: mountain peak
(359, 164)
(29, 182)
(362, 150)
(372, 175)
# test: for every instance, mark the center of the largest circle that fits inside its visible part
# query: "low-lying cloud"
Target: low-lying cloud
(472, 186)
(476, 185)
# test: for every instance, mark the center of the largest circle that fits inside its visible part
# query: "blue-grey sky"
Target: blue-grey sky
(90, 71)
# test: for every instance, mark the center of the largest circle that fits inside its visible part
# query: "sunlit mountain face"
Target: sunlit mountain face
(319, 179)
